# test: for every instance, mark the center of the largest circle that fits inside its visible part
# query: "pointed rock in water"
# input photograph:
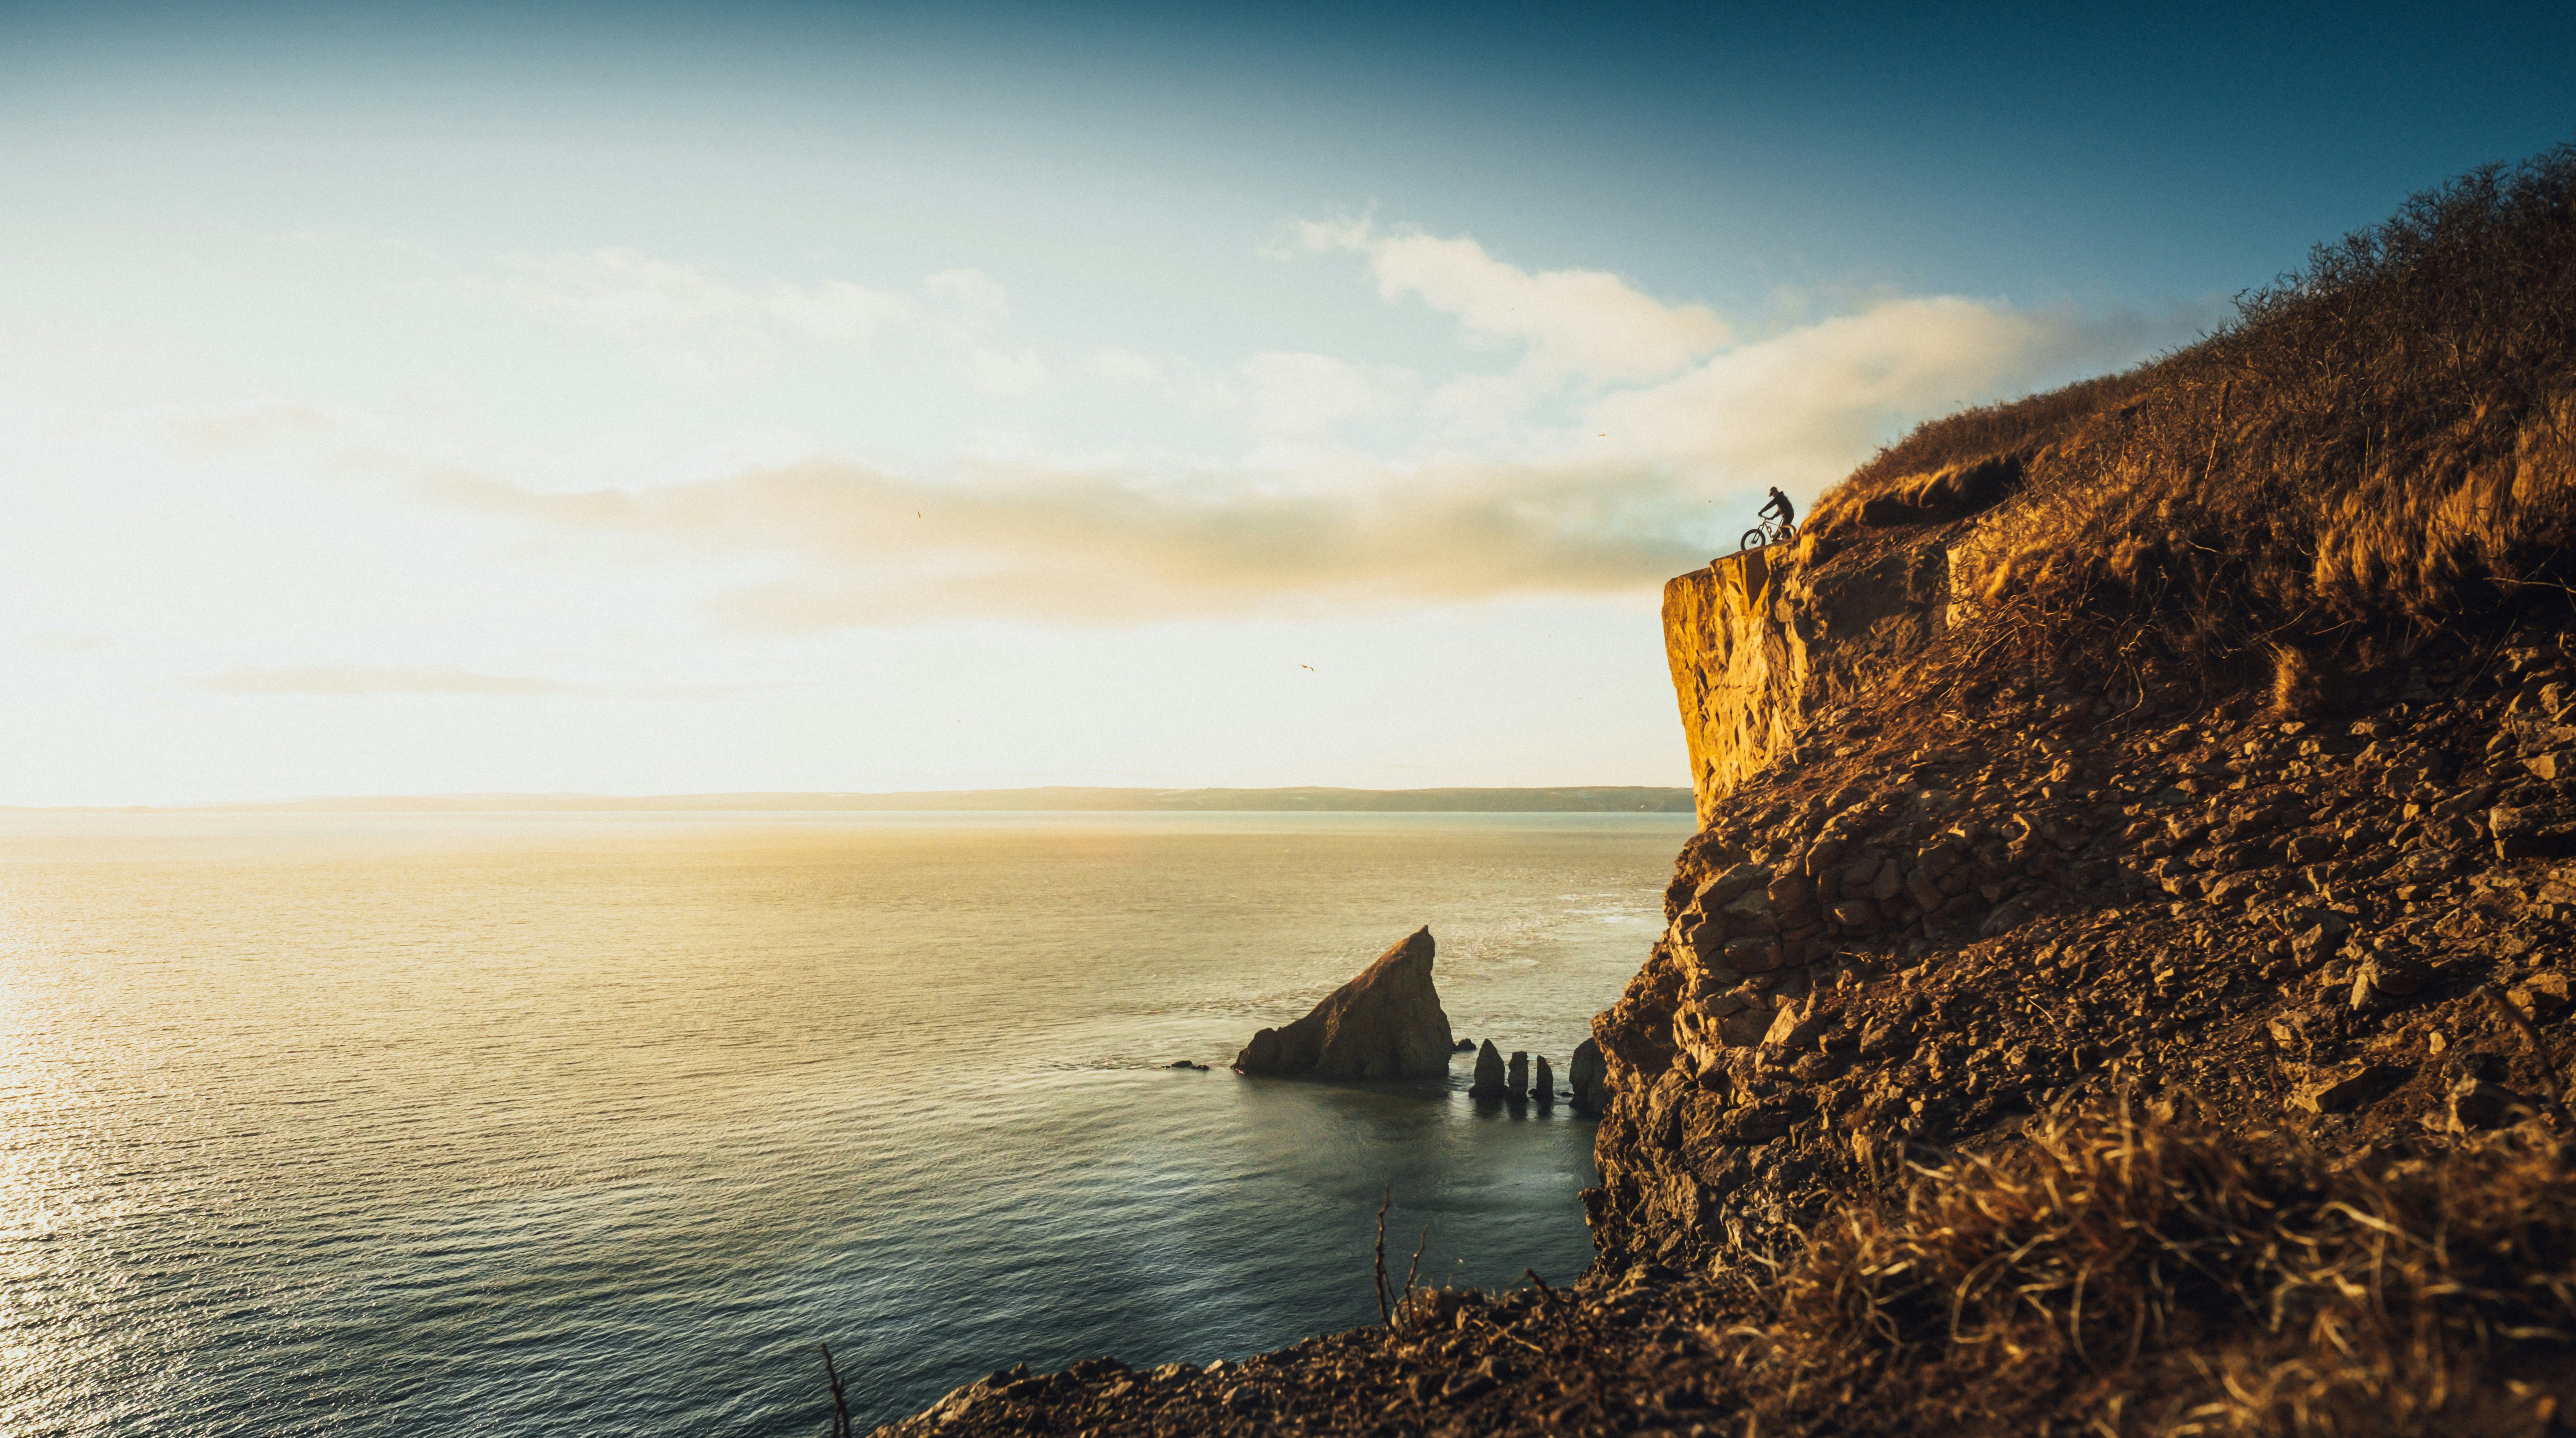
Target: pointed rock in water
(1489, 1072)
(1543, 1083)
(1517, 1087)
(1386, 1023)
(1586, 1076)
(1466, 1046)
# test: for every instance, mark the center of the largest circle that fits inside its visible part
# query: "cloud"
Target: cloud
(1801, 409)
(703, 330)
(1356, 484)
(1294, 395)
(1106, 546)
(1582, 325)
(348, 680)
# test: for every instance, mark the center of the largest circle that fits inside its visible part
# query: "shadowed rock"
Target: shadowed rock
(1386, 1023)
(1516, 1087)
(1489, 1072)
(1543, 1085)
(1586, 1076)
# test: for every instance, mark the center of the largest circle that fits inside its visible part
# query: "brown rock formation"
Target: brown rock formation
(1758, 645)
(1387, 1023)
(1489, 1072)
(1585, 1075)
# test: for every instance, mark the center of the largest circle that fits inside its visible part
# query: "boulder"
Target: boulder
(1386, 1023)
(1543, 1084)
(1489, 1072)
(1586, 1076)
(1516, 1087)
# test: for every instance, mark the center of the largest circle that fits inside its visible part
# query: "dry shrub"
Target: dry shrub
(2021, 425)
(2378, 445)
(2144, 1272)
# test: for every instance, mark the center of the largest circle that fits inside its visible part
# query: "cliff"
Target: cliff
(1761, 645)
(2122, 980)
(2184, 729)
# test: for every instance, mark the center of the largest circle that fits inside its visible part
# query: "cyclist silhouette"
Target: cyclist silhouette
(1781, 509)
(1778, 518)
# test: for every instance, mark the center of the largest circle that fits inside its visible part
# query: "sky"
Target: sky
(666, 398)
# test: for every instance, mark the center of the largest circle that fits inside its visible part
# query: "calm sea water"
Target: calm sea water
(522, 1125)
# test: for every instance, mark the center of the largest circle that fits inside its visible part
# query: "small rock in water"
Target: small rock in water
(1186, 1064)
(1466, 1046)
(1543, 1083)
(1588, 1076)
(1489, 1072)
(1517, 1087)
(1386, 1023)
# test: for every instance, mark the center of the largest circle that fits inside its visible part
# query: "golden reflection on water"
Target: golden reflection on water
(349, 1124)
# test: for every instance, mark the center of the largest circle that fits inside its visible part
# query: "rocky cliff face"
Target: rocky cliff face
(1386, 1023)
(1924, 907)
(1759, 646)
(2062, 1023)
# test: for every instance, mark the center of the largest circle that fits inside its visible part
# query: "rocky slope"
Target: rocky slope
(2121, 982)
(1973, 903)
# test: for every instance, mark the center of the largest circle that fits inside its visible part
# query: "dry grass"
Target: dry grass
(2377, 446)
(2132, 1272)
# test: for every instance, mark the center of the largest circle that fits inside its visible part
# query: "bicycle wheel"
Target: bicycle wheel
(1753, 539)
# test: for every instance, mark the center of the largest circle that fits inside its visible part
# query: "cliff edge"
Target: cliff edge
(2122, 980)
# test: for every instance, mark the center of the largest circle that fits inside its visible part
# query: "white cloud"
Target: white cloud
(837, 311)
(1618, 442)
(975, 300)
(1295, 395)
(1582, 325)
(702, 331)
(1800, 409)
(620, 292)
(877, 547)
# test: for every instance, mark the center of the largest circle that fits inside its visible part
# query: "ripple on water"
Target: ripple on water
(358, 1125)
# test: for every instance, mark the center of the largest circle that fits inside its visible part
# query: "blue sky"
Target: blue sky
(660, 398)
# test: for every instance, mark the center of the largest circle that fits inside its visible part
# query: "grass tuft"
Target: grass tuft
(2140, 1271)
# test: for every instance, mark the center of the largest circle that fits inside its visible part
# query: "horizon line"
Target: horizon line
(1561, 798)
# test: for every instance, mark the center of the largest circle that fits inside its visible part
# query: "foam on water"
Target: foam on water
(516, 1124)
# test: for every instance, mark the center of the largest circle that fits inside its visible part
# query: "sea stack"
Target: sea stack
(1489, 1072)
(1543, 1083)
(1387, 1023)
(1586, 1075)
(1516, 1088)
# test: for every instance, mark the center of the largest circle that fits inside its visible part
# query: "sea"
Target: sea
(531, 1124)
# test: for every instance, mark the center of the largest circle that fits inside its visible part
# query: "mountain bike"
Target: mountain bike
(1768, 532)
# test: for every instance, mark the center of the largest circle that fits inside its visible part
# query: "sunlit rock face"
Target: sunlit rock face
(1689, 1068)
(1386, 1023)
(1757, 644)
